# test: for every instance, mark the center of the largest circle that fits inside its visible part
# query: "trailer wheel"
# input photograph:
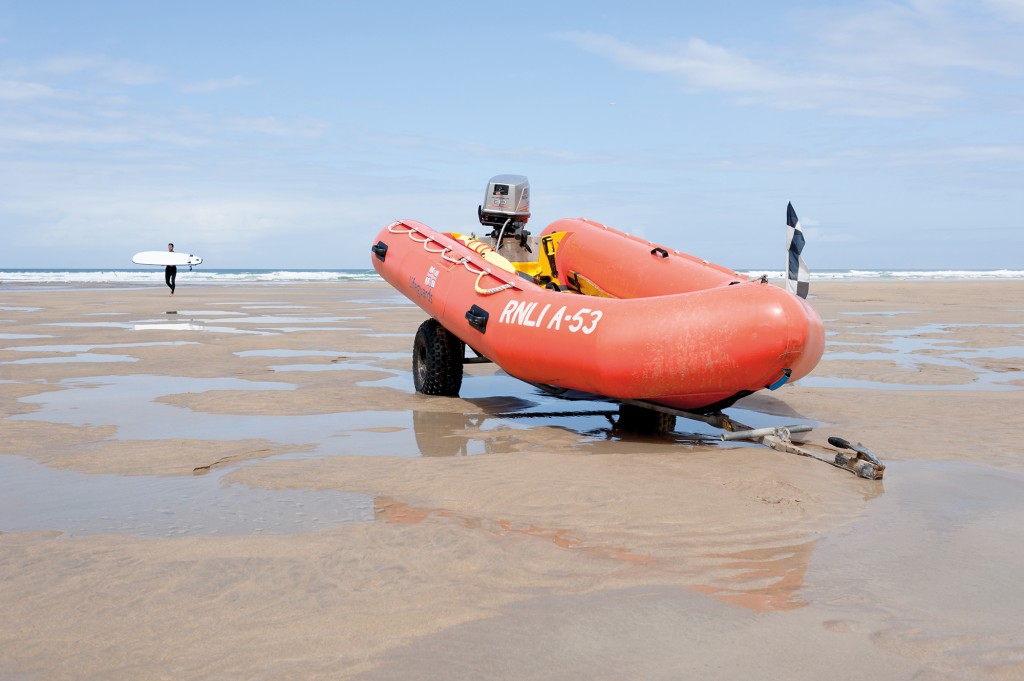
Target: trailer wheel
(437, 360)
(634, 419)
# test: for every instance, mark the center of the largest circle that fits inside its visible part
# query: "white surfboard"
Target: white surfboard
(165, 258)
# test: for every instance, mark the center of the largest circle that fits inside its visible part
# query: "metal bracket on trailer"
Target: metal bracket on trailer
(479, 359)
(862, 463)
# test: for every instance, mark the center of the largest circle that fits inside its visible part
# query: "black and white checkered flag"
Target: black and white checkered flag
(798, 278)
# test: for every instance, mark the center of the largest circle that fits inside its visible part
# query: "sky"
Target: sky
(286, 135)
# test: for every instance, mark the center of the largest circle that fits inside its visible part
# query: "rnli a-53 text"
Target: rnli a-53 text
(524, 313)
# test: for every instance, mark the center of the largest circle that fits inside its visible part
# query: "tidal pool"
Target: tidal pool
(34, 497)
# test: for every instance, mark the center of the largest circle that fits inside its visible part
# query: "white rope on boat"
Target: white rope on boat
(488, 291)
(391, 228)
(461, 261)
(409, 231)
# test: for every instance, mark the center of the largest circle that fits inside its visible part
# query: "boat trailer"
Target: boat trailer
(861, 462)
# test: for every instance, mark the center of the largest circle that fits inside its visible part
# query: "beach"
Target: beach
(239, 482)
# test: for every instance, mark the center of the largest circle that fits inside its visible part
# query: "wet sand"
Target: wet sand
(239, 482)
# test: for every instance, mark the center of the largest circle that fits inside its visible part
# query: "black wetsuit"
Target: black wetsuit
(169, 274)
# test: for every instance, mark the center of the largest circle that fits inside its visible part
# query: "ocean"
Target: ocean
(226, 276)
(196, 275)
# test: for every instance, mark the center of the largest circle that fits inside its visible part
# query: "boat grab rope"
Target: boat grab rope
(488, 291)
(426, 240)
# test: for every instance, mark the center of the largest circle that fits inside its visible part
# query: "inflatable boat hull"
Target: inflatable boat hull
(664, 327)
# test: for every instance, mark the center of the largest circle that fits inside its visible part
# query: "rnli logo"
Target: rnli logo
(426, 289)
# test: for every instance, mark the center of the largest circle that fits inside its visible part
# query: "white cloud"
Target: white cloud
(991, 156)
(40, 115)
(889, 59)
(118, 71)
(820, 235)
(229, 220)
(107, 125)
(914, 39)
(14, 90)
(50, 133)
(1011, 10)
(976, 154)
(218, 84)
(485, 150)
(703, 67)
(271, 125)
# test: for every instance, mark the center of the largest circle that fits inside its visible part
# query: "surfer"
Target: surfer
(171, 271)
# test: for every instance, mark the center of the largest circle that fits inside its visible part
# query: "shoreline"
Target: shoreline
(208, 275)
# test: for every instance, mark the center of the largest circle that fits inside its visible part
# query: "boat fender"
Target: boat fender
(477, 318)
(786, 373)
(380, 250)
(659, 251)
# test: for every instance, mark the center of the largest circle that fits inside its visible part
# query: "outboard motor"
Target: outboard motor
(506, 209)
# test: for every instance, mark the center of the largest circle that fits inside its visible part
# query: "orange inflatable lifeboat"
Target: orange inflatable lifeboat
(587, 307)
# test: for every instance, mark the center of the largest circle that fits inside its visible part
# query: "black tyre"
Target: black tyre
(437, 360)
(634, 419)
